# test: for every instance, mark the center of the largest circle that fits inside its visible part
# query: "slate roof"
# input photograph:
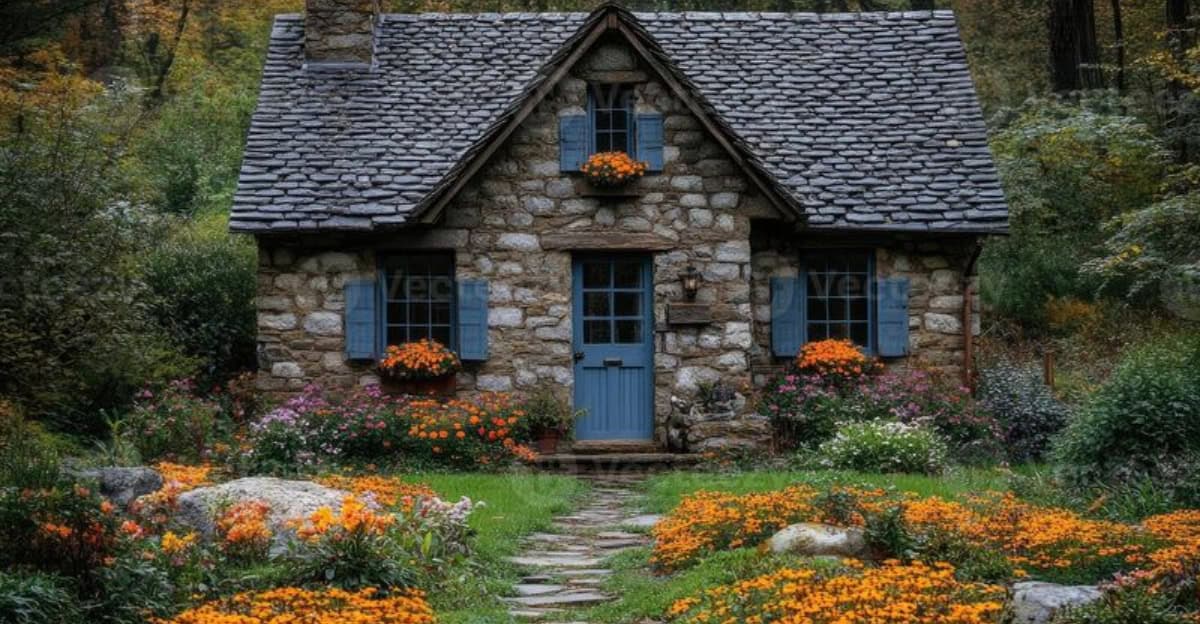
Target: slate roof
(865, 120)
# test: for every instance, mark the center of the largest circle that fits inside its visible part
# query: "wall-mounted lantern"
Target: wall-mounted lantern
(690, 278)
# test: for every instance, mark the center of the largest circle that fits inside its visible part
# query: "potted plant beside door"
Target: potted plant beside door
(551, 419)
(425, 367)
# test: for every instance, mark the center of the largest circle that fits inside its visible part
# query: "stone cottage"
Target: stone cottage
(809, 176)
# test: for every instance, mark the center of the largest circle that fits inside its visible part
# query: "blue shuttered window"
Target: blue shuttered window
(787, 316)
(650, 140)
(572, 142)
(893, 316)
(610, 125)
(473, 320)
(362, 299)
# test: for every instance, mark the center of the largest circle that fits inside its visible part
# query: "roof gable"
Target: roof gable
(860, 120)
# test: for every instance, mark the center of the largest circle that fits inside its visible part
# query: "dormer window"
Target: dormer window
(612, 123)
(611, 110)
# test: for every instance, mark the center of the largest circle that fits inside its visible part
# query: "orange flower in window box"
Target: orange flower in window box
(424, 367)
(835, 360)
(612, 169)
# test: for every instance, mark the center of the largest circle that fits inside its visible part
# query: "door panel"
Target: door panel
(614, 350)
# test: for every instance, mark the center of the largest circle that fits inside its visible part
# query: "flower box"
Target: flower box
(443, 386)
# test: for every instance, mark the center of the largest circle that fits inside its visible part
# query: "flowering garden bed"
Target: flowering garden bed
(938, 560)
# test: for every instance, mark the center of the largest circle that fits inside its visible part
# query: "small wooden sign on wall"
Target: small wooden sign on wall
(689, 313)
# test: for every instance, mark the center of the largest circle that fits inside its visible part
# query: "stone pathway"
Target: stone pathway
(568, 564)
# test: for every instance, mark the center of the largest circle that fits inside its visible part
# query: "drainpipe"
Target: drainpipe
(968, 305)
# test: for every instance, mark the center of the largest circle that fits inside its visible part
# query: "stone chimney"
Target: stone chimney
(339, 31)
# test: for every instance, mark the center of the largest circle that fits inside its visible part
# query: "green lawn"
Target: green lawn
(515, 504)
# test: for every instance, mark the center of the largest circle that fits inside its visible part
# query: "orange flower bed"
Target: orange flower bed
(612, 169)
(1031, 538)
(156, 508)
(423, 359)
(292, 605)
(837, 358)
(354, 518)
(708, 521)
(387, 491)
(1176, 565)
(890, 593)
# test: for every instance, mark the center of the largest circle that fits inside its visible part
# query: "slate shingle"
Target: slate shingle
(868, 120)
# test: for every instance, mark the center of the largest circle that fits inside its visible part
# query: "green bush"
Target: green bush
(1027, 411)
(1140, 423)
(36, 599)
(202, 288)
(881, 446)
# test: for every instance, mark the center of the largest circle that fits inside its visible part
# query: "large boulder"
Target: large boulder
(819, 540)
(289, 500)
(1036, 603)
(123, 485)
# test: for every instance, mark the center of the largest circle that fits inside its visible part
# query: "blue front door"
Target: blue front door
(614, 348)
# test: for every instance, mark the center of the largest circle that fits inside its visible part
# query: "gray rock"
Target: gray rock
(817, 540)
(123, 485)
(289, 500)
(1037, 603)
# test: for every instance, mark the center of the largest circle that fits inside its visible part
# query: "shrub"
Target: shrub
(1140, 421)
(36, 599)
(1027, 411)
(881, 446)
(66, 529)
(243, 530)
(469, 433)
(202, 286)
(803, 410)
(174, 422)
(324, 605)
(890, 593)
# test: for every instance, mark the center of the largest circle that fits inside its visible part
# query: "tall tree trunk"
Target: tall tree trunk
(1179, 40)
(1119, 40)
(1074, 52)
(164, 67)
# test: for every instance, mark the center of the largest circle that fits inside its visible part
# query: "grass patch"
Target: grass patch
(663, 492)
(515, 505)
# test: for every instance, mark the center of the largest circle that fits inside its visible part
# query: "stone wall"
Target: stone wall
(502, 228)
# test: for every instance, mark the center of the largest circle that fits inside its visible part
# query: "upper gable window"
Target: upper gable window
(611, 108)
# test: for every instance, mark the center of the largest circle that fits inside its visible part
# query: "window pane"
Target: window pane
(595, 275)
(620, 142)
(816, 309)
(603, 142)
(442, 335)
(860, 334)
(596, 332)
(837, 309)
(627, 304)
(396, 335)
(417, 332)
(817, 284)
(818, 331)
(418, 313)
(858, 309)
(629, 332)
(838, 330)
(440, 313)
(620, 121)
(441, 289)
(418, 287)
(628, 275)
(397, 313)
(603, 120)
(595, 304)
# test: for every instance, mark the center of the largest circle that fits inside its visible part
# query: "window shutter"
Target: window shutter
(893, 317)
(361, 302)
(473, 320)
(650, 140)
(572, 142)
(787, 315)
